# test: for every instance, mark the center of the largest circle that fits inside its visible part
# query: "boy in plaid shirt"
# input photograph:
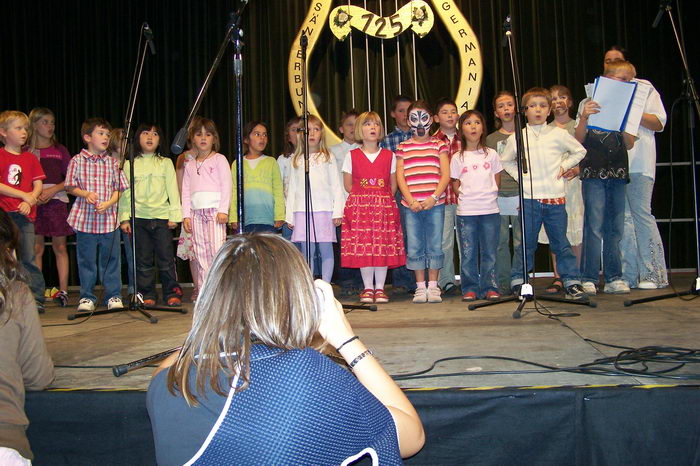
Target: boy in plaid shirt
(96, 181)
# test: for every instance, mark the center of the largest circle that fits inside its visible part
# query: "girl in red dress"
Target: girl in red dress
(372, 240)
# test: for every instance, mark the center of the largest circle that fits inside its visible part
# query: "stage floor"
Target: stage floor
(409, 337)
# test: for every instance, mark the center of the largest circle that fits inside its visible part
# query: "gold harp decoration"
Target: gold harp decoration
(471, 66)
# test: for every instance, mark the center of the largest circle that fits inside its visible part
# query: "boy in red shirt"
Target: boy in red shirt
(20, 186)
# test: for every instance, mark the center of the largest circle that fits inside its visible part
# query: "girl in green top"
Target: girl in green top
(157, 213)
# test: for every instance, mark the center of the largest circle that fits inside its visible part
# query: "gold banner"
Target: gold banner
(416, 15)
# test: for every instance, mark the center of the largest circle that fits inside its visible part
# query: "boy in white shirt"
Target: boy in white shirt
(544, 190)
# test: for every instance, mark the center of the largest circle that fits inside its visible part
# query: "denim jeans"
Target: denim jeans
(554, 219)
(401, 276)
(99, 258)
(26, 255)
(259, 228)
(604, 220)
(154, 240)
(642, 249)
(424, 232)
(504, 258)
(126, 238)
(447, 272)
(286, 232)
(478, 235)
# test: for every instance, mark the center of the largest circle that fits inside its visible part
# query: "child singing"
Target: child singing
(372, 239)
(327, 198)
(206, 195)
(475, 174)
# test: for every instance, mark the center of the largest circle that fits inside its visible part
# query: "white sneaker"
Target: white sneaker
(616, 287)
(86, 305)
(115, 302)
(420, 296)
(434, 295)
(590, 288)
(647, 285)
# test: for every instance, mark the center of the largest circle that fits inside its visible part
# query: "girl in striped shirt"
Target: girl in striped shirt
(422, 173)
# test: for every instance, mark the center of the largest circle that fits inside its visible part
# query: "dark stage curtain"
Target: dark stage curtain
(77, 58)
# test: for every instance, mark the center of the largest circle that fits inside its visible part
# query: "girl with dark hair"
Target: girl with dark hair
(157, 213)
(264, 194)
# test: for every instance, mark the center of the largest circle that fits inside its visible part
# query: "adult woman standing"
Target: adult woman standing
(288, 403)
(643, 261)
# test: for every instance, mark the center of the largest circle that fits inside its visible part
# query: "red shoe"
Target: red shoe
(149, 302)
(493, 295)
(367, 296)
(380, 297)
(469, 296)
(174, 302)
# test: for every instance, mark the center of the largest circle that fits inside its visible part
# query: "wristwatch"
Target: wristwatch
(435, 198)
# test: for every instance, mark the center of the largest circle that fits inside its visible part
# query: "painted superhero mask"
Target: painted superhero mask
(419, 120)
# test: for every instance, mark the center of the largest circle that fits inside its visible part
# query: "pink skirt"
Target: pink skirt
(321, 227)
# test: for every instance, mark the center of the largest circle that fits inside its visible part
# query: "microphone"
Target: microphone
(506, 31)
(178, 144)
(663, 6)
(149, 37)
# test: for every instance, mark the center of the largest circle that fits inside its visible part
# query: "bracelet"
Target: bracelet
(360, 357)
(346, 342)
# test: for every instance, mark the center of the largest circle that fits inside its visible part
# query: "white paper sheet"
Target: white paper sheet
(614, 98)
(634, 117)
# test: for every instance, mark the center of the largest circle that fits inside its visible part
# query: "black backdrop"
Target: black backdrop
(77, 58)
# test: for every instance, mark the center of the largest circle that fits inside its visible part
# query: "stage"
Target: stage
(509, 418)
(408, 337)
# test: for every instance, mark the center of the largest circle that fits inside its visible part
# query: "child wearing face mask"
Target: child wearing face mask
(422, 173)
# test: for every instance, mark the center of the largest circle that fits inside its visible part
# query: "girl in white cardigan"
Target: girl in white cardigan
(327, 200)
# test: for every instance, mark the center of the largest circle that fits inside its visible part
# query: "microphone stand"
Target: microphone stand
(135, 301)
(233, 34)
(690, 97)
(526, 290)
(304, 42)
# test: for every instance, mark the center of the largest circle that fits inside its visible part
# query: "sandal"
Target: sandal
(367, 296)
(556, 287)
(380, 296)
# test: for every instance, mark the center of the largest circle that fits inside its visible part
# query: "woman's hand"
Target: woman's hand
(187, 224)
(337, 221)
(333, 327)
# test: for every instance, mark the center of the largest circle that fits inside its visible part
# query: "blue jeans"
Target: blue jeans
(26, 256)
(555, 220)
(604, 221)
(286, 232)
(400, 276)
(126, 238)
(478, 235)
(259, 228)
(99, 257)
(642, 249)
(424, 232)
(447, 272)
(504, 258)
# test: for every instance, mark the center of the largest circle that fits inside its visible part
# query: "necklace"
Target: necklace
(198, 165)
